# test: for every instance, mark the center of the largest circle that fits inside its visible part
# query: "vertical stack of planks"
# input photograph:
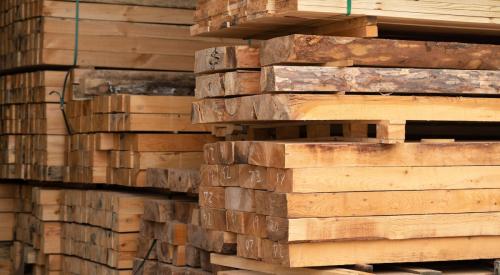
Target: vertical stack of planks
(100, 233)
(355, 149)
(32, 126)
(164, 233)
(123, 70)
(8, 211)
(140, 135)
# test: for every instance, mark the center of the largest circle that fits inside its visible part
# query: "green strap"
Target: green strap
(62, 103)
(349, 7)
(77, 32)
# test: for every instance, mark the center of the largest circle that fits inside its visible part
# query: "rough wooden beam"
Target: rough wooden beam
(311, 49)
(294, 107)
(312, 79)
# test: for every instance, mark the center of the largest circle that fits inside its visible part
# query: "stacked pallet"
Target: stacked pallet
(46, 229)
(33, 127)
(270, 18)
(22, 249)
(40, 35)
(164, 235)
(133, 128)
(8, 210)
(118, 34)
(355, 176)
(101, 230)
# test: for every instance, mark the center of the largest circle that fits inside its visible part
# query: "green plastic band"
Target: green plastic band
(349, 7)
(62, 96)
(77, 32)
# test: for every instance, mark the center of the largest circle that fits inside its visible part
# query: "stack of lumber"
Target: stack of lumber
(352, 175)
(164, 235)
(8, 209)
(101, 231)
(342, 205)
(133, 128)
(6, 263)
(46, 230)
(38, 48)
(22, 249)
(113, 34)
(33, 129)
(271, 18)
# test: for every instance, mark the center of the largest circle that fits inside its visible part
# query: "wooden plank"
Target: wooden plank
(129, 13)
(351, 179)
(378, 80)
(381, 227)
(229, 58)
(240, 199)
(259, 266)
(295, 107)
(246, 223)
(381, 251)
(89, 82)
(147, 104)
(183, 4)
(166, 142)
(308, 155)
(228, 84)
(379, 52)
(357, 204)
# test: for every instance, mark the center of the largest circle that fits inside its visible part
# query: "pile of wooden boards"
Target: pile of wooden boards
(117, 34)
(164, 247)
(79, 231)
(8, 211)
(41, 39)
(271, 18)
(33, 129)
(344, 181)
(140, 135)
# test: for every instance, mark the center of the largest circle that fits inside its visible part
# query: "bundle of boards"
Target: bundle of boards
(165, 246)
(119, 34)
(79, 231)
(357, 150)
(141, 135)
(271, 18)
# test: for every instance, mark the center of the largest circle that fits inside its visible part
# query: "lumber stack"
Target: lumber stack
(33, 127)
(8, 211)
(100, 231)
(164, 235)
(46, 225)
(133, 128)
(113, 34)
(270, 18)
(374, 151)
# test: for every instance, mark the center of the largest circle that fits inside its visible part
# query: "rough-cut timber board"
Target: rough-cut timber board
(294, 107)
(383, 227)
(165, 142)
(314, 49)
(381, 251)
(229, 58)
(228, 84)
(132, 13)
(309, 155)
(183, 4)
(116, 60)
(352, 179)
(356, 204)
(316, 79)
(268, 268)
